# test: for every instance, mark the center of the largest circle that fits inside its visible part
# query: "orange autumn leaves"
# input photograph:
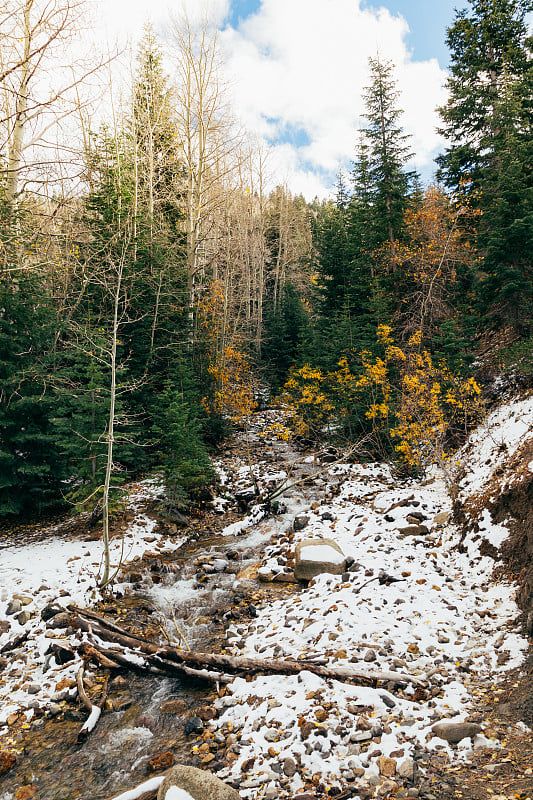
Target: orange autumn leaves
(400, 392)
(228, 365)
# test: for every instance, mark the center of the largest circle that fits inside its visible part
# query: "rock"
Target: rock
(7, 761)
(315, 556)
(24, 599)
(193, 725)
(33, 688)
(54, 709)
(4, 626)
(370, 655)
(453, 732)
(23, 617)
(387, 766)
(442, 519)
(59, 621)
(389, 702)
(161, 761)
(200, 785)
(387, 788)
(13, 607)
(245, 496)
(206, 713)
(289, 767)
(360, 736)
(3, 663)
(174, 707)
(62, 654)
(51, 610)
(416, 517)
(300, 522)
(413, 530)
(406, 769)
(26, 792)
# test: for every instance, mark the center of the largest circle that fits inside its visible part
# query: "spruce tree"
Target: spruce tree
(382, 164)
(489, 159)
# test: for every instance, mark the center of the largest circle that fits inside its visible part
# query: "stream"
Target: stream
(201, 587)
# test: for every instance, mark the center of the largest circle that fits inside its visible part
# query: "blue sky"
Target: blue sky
(298, 70)
(428, 20)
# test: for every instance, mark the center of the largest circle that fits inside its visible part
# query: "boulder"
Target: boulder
(300, 522)
(442, 518)
(200, 785)
(315, 556)
(413, 530)
(453, 732)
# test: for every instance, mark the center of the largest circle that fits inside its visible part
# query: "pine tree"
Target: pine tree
(488, 162)
(382, 163)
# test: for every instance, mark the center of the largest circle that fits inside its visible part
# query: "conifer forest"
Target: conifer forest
(158, 284)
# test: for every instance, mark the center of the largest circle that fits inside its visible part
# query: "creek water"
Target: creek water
(115, 756)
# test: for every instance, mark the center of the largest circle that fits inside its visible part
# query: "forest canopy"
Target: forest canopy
(155, 281)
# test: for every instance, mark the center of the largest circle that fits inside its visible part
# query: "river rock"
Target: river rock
(300, 522)
(387, 766)
(406, 769)
(174, 707)
(23, 617)
(453, 732)
(160, 761)
(413, 530)
(13, 607)
(442, 519)
(315, 556)
(7, 761)
(59, 621)
(193, 725)
(199, 784)
(51, 610)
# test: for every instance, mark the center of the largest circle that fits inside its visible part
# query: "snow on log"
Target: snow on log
(167, 660)
(151, 785)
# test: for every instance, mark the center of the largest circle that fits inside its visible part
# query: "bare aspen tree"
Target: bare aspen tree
(206, 135)
(38, 82)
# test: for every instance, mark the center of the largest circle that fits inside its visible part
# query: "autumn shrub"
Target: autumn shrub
(421, 408)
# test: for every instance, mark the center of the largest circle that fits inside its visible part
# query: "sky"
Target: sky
(298, 68)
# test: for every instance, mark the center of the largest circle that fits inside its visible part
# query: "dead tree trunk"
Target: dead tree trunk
(136, 653)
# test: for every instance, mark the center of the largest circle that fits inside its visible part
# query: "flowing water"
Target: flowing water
(115, 755)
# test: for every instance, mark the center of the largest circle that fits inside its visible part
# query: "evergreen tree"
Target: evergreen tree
(381, 170)
(489, 160)
(31, 465)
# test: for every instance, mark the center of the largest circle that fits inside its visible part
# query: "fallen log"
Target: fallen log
(95, 711)
(138, 653)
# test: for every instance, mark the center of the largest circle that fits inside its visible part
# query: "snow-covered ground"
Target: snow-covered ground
(410, 601)
(60, 571)
(440, 618)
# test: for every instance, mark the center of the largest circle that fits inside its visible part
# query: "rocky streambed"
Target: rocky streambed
(411, 595)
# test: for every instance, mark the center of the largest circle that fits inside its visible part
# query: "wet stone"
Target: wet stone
(194, 725)
(174, 707)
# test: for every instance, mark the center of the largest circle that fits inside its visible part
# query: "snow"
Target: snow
(175, 793)
(419, 605)
(494, 442)
(324, 553)
(441, 619)
(150, 785)
(63, 571)
(92, 720)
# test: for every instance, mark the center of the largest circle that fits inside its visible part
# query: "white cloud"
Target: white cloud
(304, 64)
(301, 66)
